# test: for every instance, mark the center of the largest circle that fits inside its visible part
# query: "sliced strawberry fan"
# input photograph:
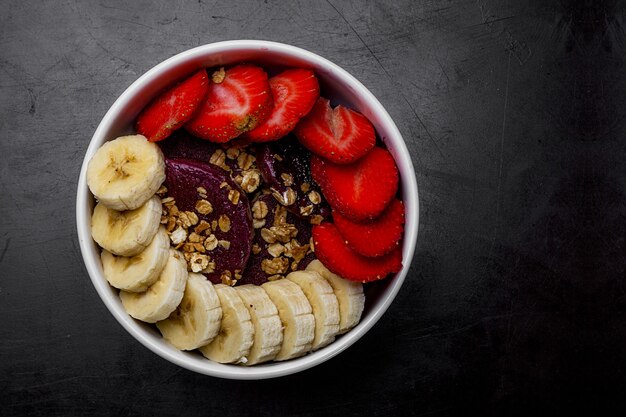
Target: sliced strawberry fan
(238, 100)
(173, 108)
(359, 191)
(375, 238)
(336, 255)
(295, 92)
(339, 135)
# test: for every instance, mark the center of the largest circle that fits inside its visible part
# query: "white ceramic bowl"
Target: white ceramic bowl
(338, 85)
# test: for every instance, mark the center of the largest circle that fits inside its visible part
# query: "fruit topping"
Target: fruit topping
(197, 319)
(162, 297)
(173, 108)
(238, 100)
(281, 242)
(332, 250)
(340, 135)
(126, 233)
(359, 191)
(284, 166)
(208, 217)
(125, 172)
(295, 92)
(377, 237)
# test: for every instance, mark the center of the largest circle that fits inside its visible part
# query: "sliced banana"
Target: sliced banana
(296, 315)
(236, 335)
(268, 329)
(125, 172)
(349, 295)
(126, 233)
(197, 319)
(137, 273)
(162, 297)
(324, 303)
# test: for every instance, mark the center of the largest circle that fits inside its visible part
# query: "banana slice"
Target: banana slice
(268, 329)
(162, 297)
(295, 313)
(324, 303)
(125, 172)
(349, 295)
(126, 233)
(197, 319)
(236, 335)
(136, 274)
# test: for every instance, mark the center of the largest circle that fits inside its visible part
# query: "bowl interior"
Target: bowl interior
(337, 85)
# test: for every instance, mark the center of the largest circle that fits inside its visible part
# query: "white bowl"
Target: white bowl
(340, 87)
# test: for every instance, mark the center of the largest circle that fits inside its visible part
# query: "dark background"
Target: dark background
(513, 113)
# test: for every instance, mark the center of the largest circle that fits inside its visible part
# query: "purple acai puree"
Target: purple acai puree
(183, 178)
(293, 247)
(285, 167)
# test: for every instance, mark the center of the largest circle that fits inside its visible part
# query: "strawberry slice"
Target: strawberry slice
(375, 238)
(339, 135)
(359, 191)
(295, 92)
(237, 101)
(173, 108)
(332, 251)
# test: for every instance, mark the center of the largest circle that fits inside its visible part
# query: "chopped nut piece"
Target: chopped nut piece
(280, 215)
(224, 223)
(224, 243)
(224, 184)
(199, 247)
(193, 218)
(317, 219)
(315, 197)
(210, 242)
(219, 158)
(204, 207)
(195, 238)
(257, 224)
(287, 179)
(245, 160)
(173, 210)
(201, 192)
(214, 224)
(226, 278)
(202, 226)
(275, 249)
(287, 198)
(294, 250)
(178, 236)
(251, 180)
(218, 76)
(256, 249)
(188, 247)
(305, 187)
(233, 196)
(306, 211)
(162, 191)
(198, 262)
(275, 266)
(171, 224)
(275, 277)
(232, 153)
(259, 209)
(210, 268)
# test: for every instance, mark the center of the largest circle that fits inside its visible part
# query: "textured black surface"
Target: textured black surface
(513, 114)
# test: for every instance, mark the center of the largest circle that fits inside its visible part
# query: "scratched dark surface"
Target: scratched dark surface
(512, 111)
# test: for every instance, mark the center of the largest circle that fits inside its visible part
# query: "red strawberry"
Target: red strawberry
(173, 108)
(377, 237)
(295, 92)
(359, 191)
(332, 251)
(238, 100)
(340, 135)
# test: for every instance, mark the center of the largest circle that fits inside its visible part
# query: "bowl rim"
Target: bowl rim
(275, 369)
